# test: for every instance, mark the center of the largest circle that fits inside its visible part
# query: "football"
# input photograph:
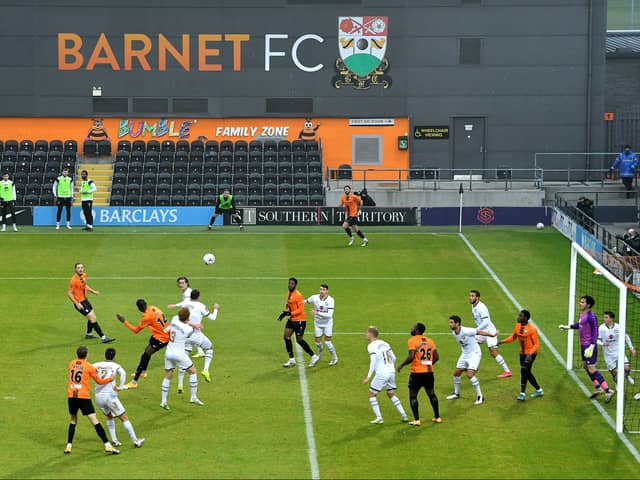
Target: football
(209, 258)
(540, 225)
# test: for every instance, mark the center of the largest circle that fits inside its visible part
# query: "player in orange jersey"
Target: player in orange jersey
(351, 204)
(77, 293)
(422, 356)
(153, 318)
(79, 398)
(297, 322)
(527, 336)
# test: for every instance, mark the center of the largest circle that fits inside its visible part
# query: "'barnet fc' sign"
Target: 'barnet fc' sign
(362, 43)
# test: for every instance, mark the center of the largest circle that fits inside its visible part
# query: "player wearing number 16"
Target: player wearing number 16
(153, 318)
(423, 355)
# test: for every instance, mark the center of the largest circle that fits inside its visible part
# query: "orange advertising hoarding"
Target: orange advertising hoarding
(334, 134)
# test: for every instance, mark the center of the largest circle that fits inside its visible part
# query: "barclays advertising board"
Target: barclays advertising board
(124, 216)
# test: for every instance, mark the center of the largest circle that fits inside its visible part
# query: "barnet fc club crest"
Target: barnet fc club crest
(362, 43)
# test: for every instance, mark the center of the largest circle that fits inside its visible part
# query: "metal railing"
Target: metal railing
(574, 166)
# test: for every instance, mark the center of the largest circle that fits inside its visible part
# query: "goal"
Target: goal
(589, 277)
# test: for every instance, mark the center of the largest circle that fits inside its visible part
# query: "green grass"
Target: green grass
(623, 14)
(253, 423)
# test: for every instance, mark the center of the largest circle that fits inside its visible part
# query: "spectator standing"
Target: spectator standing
(8, 199)
(87, 189)
(627, 163)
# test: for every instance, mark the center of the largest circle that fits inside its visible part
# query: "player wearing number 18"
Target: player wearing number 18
(153, 318)
(423, 355)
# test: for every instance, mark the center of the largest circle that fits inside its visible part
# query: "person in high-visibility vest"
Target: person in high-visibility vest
(226, 206)
(63, 191)
(8, 199)
(87, 189)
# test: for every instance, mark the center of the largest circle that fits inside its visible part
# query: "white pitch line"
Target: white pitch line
(308, 420)
(216, 277)
(553, 350)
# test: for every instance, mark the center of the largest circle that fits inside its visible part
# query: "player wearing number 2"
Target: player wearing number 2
(382, 363)
(422, 356)
(153, 318)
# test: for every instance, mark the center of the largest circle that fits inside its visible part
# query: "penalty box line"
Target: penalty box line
(627, 443)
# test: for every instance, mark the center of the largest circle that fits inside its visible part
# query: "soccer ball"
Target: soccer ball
(209, 259)
(540, 225)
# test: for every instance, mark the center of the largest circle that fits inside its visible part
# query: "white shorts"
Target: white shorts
(612, 361)
(177, 359)
(490, 341)
(109, 403)
(469, 361)
(199, 339)
(320, 329)
(383, 382)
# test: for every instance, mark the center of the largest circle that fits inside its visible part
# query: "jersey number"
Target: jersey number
(386, 357)
(162, 321)
(76, 374)
(425, 354)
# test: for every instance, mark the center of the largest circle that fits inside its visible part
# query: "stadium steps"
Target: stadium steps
(100, 173)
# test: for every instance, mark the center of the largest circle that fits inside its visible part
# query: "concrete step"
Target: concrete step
(101, 174)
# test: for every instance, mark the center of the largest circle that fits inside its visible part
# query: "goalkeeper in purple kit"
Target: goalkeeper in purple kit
(588, 329)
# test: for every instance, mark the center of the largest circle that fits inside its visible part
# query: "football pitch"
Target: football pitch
(261, 420)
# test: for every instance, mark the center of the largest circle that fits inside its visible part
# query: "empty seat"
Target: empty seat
(194, 178)
(132, 200)
(179, 178)
(269, 167)
(194, 200)
(210, 167)
(316, 190)
(26, 146)
(167, 157)
(285, 189)
(255, 146)
(104, 148)
(181, 156)
(178, 189)
(150, 167)
(34, 189)
(240, 200)
(177, 200)
(255, 200)
(148, 200)
(119, 178)
(179, 167)
(300, 200)
(211, 157)
(225, 167)
(50, 177)
(21, 167)
(195, 167)
(316, 200)
(182, 146)
(285, 200)
(284, 146)
(90, 147)
(224, 178)
(163, 200)
(241, 146)
(311, 145)
(38, 167)
(270, 157)
(47, 199)
(116, 200)
(137, 156)
(209, 200)
(240, 178)
(197, 146)
(298, 146)
(255, 167)
(210, 178)
(314, 167)
(148, 188)
(209, 189)
(255, 189)
(123, 146)
(30, 200)
(20, 177)
(117, 189)
(240, 189)
(270, 146)
(285, 157)
(194, 189)
(153, 146)
(134, 177)
(122, 156)
(269, 200)
(313, 157)
(162, 189)
(240, 168)
(165, 167)
(255, 179)
(255, 156)
(149, 178)
(285, 169)
(300, 189)
(269, 189)
(41, 146)
(139, 146)
(196, 156)
(226, 146)
(56, 146)
(211, 146)
(240, 157)
(152, 156)
(133, 189)
(55, 156)
(168, 146)
(285, 178)
(315, 178)
(299, 157)
(300, 178)
(11, 146)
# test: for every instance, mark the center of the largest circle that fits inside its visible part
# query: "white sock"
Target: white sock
(502, 363)
(208, 356)
(330, 347)
(396, 403)
(320, 347)
(476, 384)
(456, 385)
(193, 385)
(111, 426)
(129, 428)
(375, 407)
(200, 351)
(165, 389)
(180, 378)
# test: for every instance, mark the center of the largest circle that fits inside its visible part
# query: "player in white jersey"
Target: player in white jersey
(469, 359)
(175, 356)
(382, 363)
(608, 338)
(197, 311)
(183, 285)
(107, 397)
(323, 306)
(481, 316)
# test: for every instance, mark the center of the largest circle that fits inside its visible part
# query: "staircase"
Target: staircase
(101, 174)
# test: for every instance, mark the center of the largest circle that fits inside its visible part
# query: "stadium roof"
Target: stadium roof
(623, 43)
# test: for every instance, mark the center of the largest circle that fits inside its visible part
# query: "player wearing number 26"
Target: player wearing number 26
(422, 356)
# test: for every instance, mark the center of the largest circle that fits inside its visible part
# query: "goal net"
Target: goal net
(589, 277)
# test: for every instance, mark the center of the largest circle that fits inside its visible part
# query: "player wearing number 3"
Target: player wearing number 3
(423, 355)
(588, 328)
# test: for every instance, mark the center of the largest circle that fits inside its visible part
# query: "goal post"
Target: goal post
(589, 277)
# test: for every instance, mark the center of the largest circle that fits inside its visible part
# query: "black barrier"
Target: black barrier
(330, 216)
(24, 216)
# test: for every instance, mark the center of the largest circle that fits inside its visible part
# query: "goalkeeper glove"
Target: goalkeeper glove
(588, 352)
(564, 327)
(282, 315)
